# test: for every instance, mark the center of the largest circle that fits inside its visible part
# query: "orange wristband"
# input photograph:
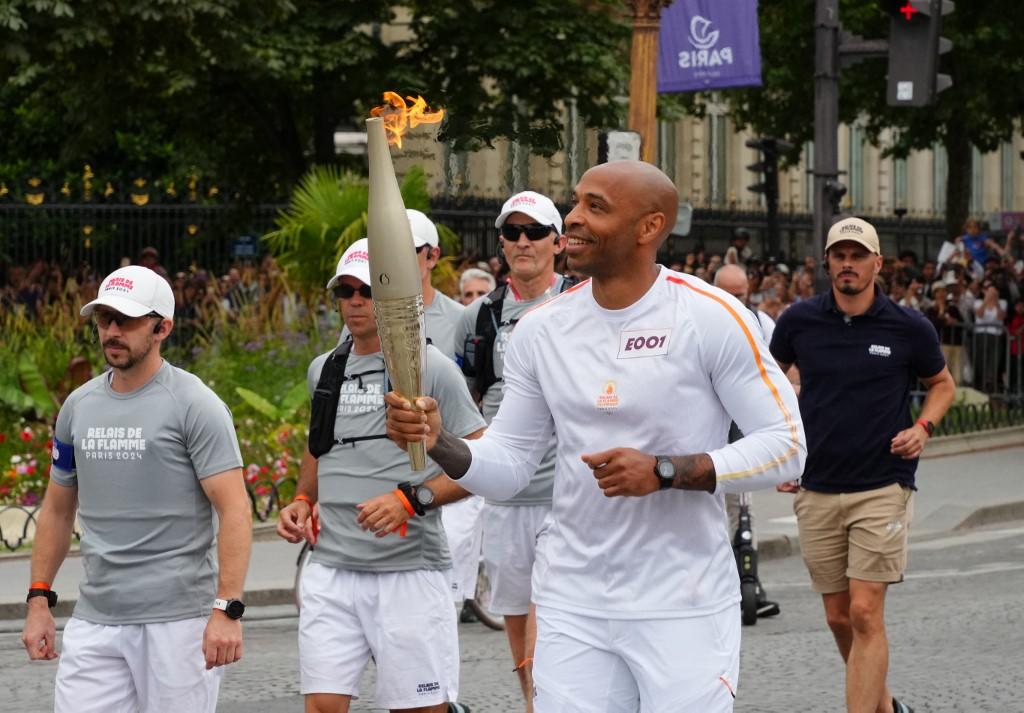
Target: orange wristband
(405, 503)
(305, 498)
(408, 508)
(39, 585)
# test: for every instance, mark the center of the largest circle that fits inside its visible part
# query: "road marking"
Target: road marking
(968, 538)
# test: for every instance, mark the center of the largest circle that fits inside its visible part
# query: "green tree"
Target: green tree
(981, 109)
(251, 92)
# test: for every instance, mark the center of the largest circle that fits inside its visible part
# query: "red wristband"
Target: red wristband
(927, 425)
(39, 585)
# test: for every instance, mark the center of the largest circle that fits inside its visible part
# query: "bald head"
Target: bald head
(643, 185)
(733, 279)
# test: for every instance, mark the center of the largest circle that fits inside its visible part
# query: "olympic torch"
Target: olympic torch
(394, 270)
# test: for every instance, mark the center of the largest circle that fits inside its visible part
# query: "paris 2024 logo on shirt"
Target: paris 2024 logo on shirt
(112, 443)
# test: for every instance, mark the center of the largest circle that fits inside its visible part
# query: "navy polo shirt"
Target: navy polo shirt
(855, 379)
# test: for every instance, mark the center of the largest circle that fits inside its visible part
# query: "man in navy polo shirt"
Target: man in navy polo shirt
(859, 354)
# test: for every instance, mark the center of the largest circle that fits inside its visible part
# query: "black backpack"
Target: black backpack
(324, 410)
(478, 349)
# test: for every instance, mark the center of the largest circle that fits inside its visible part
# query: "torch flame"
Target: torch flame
(399, 117)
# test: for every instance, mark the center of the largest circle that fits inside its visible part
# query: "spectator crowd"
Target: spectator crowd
(972, 291)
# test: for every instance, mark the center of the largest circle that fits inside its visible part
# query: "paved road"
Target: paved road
(956, 628)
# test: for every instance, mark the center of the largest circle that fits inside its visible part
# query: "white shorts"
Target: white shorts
(511, 537)
(144, 668)
(404, 620)
(587, 665)
(464, 527)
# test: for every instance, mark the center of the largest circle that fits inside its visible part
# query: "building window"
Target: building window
(575, 147)
(977, 182)
(899, 183)
(856, 169)
(940, 172)
(717, 160)
(809, 177)
(455, 171)
(667, 148)
(1006, 168)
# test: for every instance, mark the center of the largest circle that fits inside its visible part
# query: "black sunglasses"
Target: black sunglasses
(345, 292)
(103, 319)
(534, 231)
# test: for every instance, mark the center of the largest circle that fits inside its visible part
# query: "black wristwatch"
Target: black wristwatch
(664, 471)
(419, 496)
(234, 608)
(51, 596)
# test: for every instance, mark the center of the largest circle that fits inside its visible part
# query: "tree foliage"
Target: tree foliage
(251, 91)
(982, 108)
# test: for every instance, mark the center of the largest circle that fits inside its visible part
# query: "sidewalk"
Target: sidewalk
(954, 491)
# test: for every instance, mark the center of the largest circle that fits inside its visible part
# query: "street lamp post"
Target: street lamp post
(643, 81)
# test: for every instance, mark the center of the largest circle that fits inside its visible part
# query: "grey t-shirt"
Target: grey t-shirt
(147, 525)
(351, 473)
(441, 318)
(538, 492)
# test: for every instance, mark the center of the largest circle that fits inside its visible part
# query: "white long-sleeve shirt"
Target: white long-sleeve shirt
(665, 375)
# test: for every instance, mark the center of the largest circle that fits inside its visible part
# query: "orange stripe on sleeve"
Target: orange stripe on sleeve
(794, 432)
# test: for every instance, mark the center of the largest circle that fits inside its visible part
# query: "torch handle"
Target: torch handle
(417, 455)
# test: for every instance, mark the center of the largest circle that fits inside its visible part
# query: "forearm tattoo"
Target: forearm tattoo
(696, 472)
(452, 454)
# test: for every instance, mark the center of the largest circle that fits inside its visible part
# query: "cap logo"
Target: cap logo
(119, 284)
(524, 199)
(852, 228)
(358, 255)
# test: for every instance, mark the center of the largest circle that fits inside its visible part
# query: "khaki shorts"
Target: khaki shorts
(860, 535)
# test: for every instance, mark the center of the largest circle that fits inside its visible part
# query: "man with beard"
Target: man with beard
(859, 354)
(638, 371)
(145, 453)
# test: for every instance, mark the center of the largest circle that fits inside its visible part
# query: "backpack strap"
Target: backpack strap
(324, 409)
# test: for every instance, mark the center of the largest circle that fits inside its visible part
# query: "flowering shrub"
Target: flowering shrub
(24, 463)
(267, 360)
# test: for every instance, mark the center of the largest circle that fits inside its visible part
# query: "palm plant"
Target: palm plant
(327, 214)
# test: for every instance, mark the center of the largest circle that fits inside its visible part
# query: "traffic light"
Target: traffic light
(915, 45)
(768, 172)
(768, 166)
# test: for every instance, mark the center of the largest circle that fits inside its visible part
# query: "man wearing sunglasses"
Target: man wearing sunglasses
(638, 371)
(530, 239)
(377, 584)
(145, 453)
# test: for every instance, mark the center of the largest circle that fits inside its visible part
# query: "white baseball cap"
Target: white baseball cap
(538, 207)
(424, 232)
(857, 230)
(355, 262)
(134, 291)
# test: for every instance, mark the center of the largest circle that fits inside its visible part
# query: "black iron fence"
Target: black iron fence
(215, 236)
(102, 236)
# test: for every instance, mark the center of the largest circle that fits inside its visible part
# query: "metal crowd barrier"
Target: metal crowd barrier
(986, 358)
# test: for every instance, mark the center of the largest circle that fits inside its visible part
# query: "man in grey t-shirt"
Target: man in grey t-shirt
(146, 453)
(531, 237)
(376, 585)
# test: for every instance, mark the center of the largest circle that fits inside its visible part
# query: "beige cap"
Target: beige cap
(855, 229)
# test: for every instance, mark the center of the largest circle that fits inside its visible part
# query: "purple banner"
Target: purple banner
(709, 44)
